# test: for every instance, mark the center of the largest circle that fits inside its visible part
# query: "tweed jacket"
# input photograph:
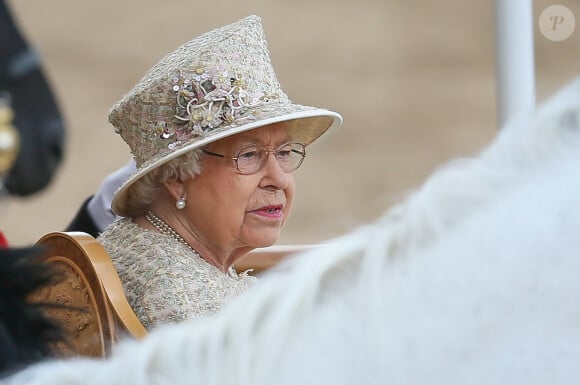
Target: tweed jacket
(164, 280)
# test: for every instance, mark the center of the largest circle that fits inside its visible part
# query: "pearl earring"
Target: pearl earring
(180, 204)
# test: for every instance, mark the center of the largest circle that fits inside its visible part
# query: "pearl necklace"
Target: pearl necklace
(164, 228)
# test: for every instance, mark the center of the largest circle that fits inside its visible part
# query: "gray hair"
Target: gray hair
(144, 192)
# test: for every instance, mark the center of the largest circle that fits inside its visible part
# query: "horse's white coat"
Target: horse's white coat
(473, 280)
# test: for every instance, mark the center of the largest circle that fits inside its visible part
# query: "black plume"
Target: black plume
(27, 335)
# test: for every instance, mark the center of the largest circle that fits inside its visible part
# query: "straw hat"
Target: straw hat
(217, 85)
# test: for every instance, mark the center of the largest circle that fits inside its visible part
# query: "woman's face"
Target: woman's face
(228, 210)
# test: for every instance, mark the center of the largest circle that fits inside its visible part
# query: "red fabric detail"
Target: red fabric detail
(3, 240)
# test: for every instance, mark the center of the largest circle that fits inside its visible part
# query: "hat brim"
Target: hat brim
(304, 126)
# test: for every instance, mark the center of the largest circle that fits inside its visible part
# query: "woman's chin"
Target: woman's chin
(265, 238)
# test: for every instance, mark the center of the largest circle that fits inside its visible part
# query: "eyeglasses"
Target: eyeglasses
(252, 158)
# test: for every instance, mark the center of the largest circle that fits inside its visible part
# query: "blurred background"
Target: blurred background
(414, 80)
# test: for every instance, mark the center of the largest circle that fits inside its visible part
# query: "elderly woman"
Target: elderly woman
(215, 141)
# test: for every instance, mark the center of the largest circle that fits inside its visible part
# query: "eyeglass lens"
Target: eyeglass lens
(251, 159)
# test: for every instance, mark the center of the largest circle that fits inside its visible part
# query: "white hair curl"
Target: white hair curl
(146, 190)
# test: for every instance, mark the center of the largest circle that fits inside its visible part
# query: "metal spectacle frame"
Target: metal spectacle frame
(300, 151)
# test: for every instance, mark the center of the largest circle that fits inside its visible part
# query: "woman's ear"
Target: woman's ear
(175, 188)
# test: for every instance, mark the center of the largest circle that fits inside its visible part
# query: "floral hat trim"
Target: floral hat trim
(207, 98)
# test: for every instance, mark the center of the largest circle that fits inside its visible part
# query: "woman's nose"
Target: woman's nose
(274, 175)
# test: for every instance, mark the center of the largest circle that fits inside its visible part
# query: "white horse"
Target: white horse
(474, 279)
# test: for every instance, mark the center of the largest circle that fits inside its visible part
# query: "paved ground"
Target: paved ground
(415, 81)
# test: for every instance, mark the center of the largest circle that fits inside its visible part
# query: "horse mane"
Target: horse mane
(466, 185)
(27, 335)
(250, 338)
(255, 330)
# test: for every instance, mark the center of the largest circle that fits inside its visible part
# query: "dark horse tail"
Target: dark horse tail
(36, 113)
(27, 335)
